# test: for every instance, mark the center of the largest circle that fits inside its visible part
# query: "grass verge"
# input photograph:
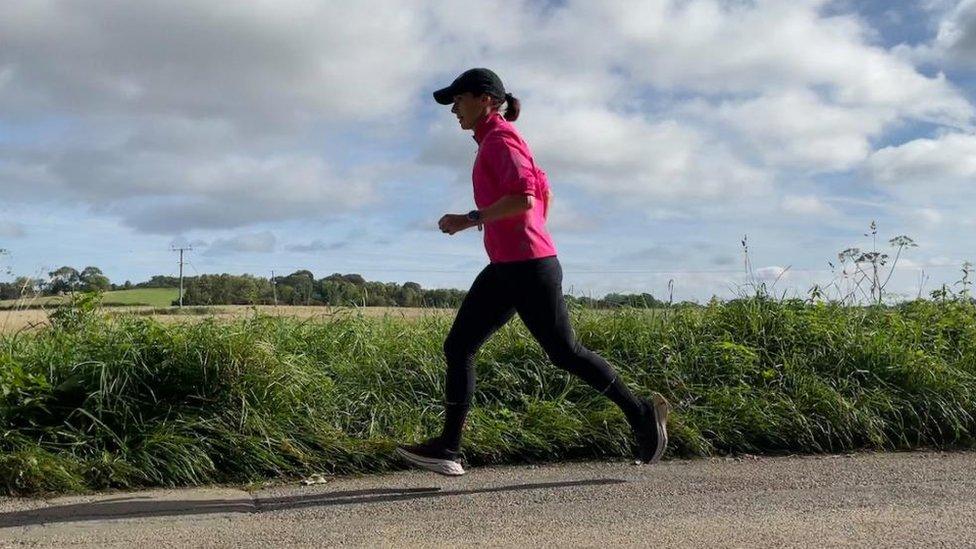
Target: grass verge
(98, 401)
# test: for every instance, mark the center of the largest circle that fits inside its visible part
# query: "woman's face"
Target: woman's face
(470, 108)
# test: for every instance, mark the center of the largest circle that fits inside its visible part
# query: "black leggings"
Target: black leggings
(533, 289)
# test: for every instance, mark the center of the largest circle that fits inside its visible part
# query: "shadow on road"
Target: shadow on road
(144, 506)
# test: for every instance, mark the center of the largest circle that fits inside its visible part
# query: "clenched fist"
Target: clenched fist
(452, 223)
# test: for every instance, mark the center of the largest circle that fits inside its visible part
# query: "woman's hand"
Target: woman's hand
(452, 223)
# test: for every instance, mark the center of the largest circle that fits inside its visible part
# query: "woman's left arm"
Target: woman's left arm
(507, 206)
(512, 172)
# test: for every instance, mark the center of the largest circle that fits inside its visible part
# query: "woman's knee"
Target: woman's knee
(566, 354)
(456, 350)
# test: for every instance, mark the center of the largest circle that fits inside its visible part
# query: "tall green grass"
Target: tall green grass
(125, 401)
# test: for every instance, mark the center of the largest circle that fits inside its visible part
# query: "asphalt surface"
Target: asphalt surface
(870, 500)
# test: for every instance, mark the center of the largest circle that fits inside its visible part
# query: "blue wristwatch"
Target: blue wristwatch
(474, 215)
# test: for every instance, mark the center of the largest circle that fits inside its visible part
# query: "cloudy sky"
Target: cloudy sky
(278, 135)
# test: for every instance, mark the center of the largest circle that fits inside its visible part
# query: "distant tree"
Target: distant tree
(300, 288)
(9, 290)
(160, 281)
(443, 298)
(378, 294)
(339, 292)
(226, 289)
(302, 274)
(63, 280)
(28, 286)
(409, 295)
(21, 287)
(303, 286)
(92, 279)
(286, 294)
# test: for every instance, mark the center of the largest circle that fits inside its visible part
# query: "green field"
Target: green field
(155, 297)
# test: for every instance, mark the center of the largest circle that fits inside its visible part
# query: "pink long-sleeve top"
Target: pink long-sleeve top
(504, 166)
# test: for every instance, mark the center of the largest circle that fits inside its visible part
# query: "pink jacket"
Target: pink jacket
(504, 166)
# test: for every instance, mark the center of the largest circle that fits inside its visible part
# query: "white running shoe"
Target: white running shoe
(431, 455)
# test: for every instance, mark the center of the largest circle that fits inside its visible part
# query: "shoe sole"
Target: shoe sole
(443, 466)
(661, 409)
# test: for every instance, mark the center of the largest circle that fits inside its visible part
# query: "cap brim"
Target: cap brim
(445, 96)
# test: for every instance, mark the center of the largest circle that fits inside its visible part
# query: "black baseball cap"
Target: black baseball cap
(476, 81)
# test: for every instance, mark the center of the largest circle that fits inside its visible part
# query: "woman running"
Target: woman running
(524, 276)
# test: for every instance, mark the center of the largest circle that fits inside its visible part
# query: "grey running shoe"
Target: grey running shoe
(652, 429)
(432, 455)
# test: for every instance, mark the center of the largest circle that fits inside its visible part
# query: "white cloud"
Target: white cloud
(243, 71)
(6, 75)
(565, 217)
(935, 261)
(196, 114)
(157, 191)
(771, 273)
(945, 161)
(261, 242)
(664, 101)
(711, 48)
(806, 205)
(635, 160)
(318, 246)
(9, 229)
(931, 216)
(937, 265)
(255, 63)
(907, 263)
(796, 128)
(954, 44)
(658, 254)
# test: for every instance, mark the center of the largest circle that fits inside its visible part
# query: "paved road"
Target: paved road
(904, 499)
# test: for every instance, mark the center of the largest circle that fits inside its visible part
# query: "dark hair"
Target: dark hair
(512, 107)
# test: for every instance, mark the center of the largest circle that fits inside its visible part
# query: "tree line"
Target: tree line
(298, 288)
(60, 281)
(302, 288)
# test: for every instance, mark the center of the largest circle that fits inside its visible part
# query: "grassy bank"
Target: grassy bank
(97, 402)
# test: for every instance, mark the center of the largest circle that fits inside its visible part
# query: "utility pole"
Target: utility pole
(181, 250)
(274, 288)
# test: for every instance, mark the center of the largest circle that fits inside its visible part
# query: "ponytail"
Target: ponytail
(512, 107)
